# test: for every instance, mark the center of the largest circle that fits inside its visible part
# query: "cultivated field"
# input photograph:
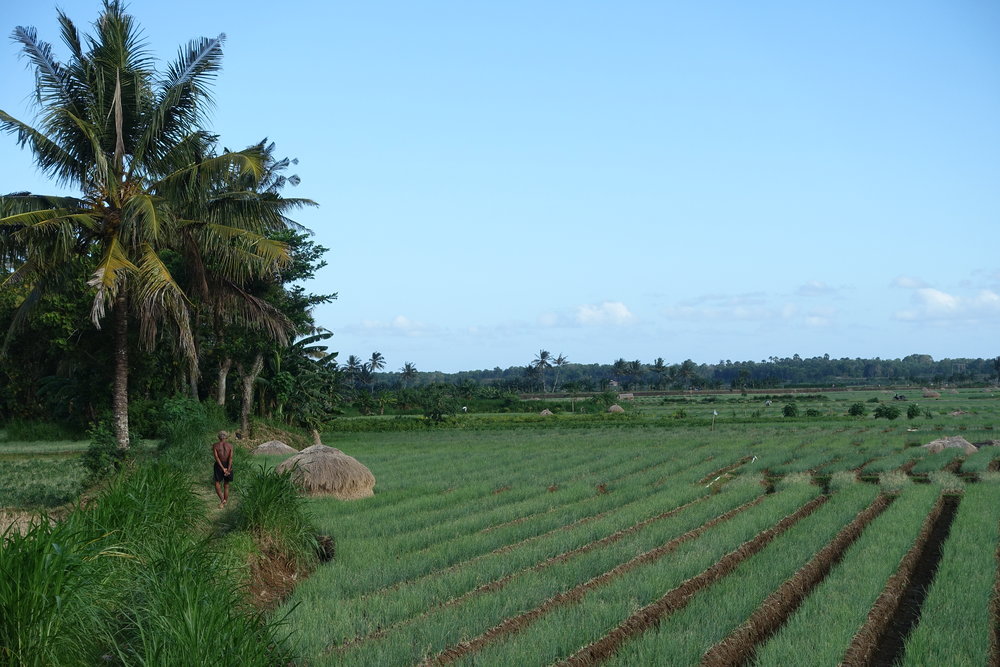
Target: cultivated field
(694, 529)
(668, 540)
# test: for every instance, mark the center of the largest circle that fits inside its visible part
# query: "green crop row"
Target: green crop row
(822, 628)
(571, 627)
(955, 621)
(317, 603)
(682, 638)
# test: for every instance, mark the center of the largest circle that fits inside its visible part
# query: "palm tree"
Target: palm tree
(129, 139)
(353, 368)
(558, 362)
(542, 361)
(408, 372)
(375, 364)
(659, 368)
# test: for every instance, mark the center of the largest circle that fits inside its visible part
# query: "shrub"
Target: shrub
(790, 410)
(913, 411)
(857, 410)
(887, 411)
(812, 412)
(103, 455)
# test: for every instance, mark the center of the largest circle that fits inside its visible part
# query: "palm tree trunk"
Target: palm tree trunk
(119, 395)
(220, 395)
(193, 378)
(248, 380)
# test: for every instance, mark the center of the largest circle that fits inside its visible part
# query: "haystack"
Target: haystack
(616, 408)
(955, 441)
(930, 393)
(546, 413)
(322, 470)
(274, 447)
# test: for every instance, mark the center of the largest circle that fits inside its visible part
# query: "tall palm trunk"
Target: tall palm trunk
(220, 395)
(119, 396)
(248, 379)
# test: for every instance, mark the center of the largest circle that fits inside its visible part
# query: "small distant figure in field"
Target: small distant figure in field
(223, 470)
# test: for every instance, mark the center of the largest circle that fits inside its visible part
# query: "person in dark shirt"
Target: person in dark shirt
(223, 472)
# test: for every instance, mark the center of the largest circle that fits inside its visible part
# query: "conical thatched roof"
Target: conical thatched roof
(930, 393)
(955, 441)
(546, 412)
(616, 408)
(274, 447)
(320, 470)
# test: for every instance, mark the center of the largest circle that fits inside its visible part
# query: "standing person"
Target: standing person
(223, 472)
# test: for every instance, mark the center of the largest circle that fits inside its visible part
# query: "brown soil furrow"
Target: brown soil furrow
(498, 584)
(908, 466)
(517, 623)
(738, 647)
(865, 643)
(651, 614)
(722, 471)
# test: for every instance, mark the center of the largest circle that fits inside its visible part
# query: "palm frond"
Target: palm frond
(50, 156)
(234, 305)
(159, 297)
(109, 277)
(51, 82)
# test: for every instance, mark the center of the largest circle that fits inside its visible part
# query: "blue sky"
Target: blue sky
(703, 180)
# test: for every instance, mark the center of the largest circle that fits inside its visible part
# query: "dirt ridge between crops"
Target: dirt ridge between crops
(676, 599)
(739, 646)
(514, 624)
(864, 646)
(911, 601)
(710, 477)
(498, 584)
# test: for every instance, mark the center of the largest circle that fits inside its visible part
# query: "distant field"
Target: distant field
(654, 544)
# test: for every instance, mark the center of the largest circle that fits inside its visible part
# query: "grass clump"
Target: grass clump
(271, 509)
(893, 481)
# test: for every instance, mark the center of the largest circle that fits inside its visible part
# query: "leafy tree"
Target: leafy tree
(128, 138)
(887, 411)
(857, 410)
(790, 410)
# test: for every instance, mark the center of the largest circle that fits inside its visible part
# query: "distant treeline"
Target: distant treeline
(774, 372)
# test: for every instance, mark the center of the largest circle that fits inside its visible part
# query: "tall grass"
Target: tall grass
(130, 576)
(270, 508)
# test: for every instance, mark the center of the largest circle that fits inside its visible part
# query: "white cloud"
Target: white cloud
(609, 312)
(932, 304)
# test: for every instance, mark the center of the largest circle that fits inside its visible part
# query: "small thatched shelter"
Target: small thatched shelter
(274, 447)
(616, 408)
(930, 393)
(546, 413)
(322, 470)
(955, 441)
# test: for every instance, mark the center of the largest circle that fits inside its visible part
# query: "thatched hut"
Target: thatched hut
(930, 393)
(546, 413)
(322, 470)
(274, 447)
(955, 441)
(616, 408)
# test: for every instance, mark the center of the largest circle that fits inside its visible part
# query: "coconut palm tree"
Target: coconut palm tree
(558, 362)
(128, 138)
(408, 372)
(542, 361)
